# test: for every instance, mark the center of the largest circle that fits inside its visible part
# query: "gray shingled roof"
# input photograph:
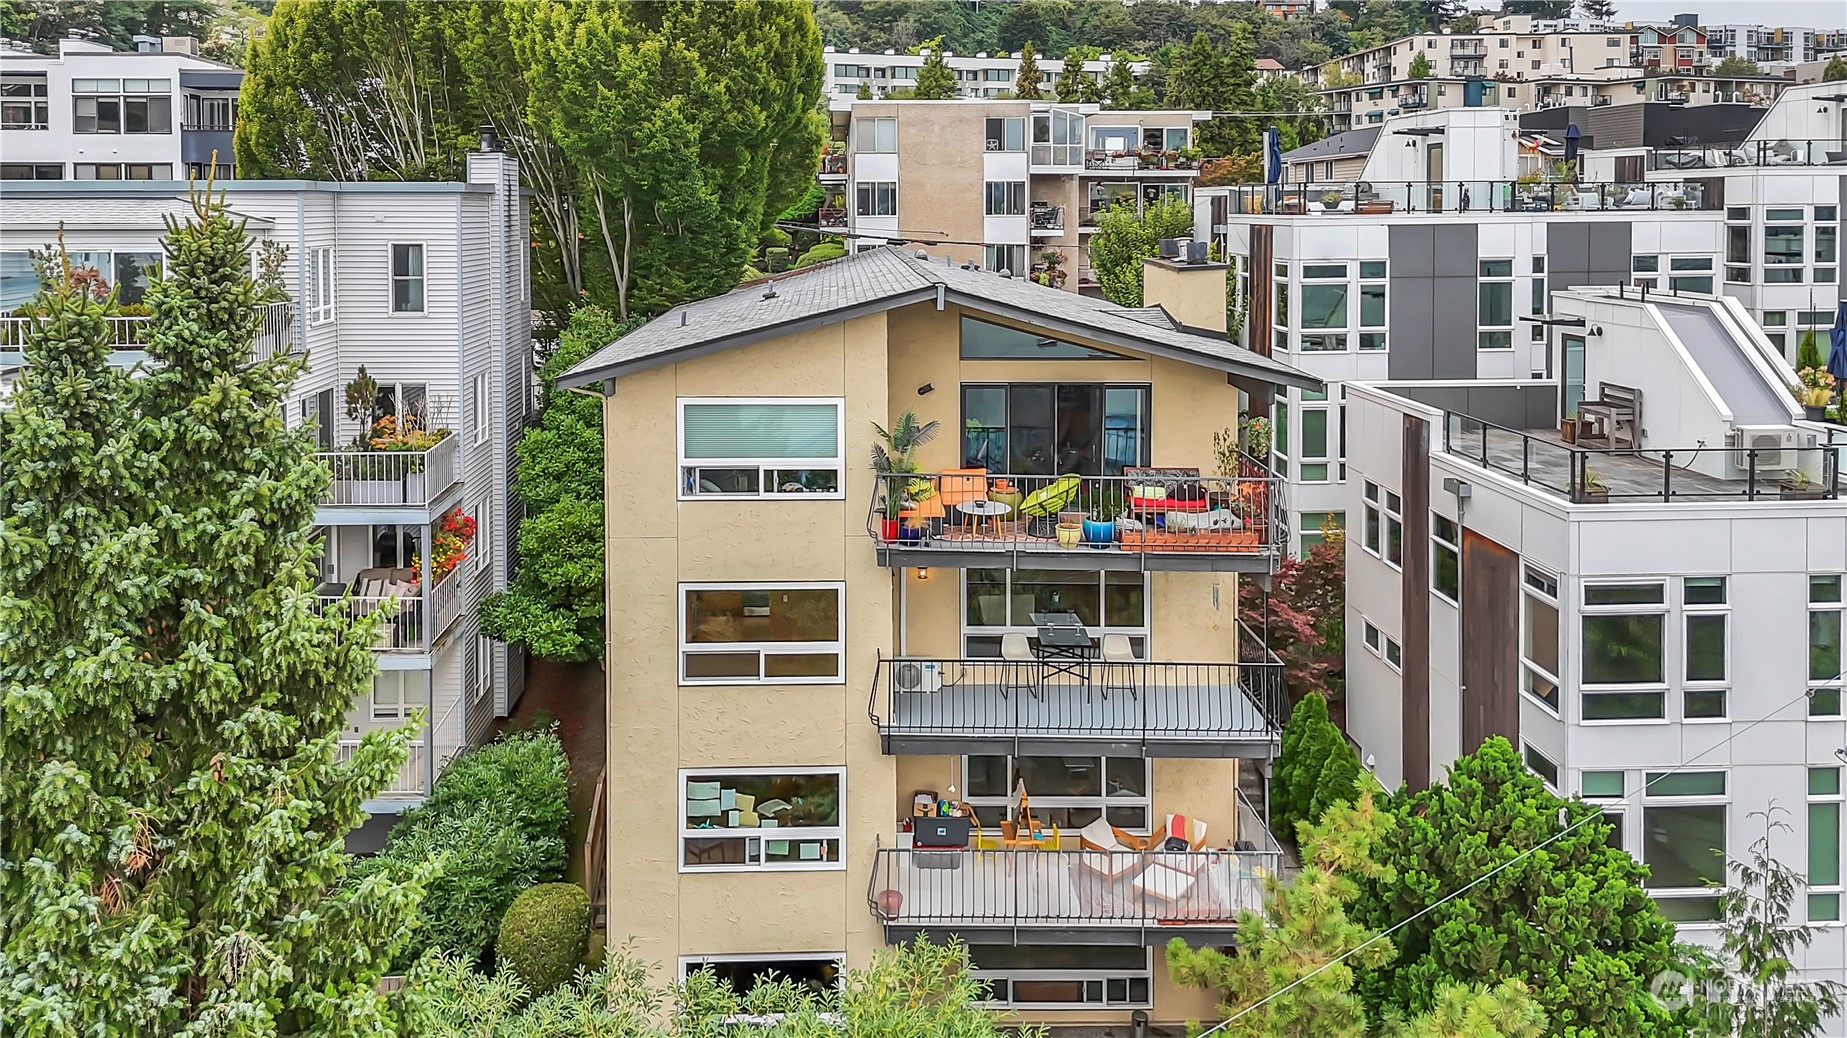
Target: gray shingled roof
(886, 278)
(1349, 142)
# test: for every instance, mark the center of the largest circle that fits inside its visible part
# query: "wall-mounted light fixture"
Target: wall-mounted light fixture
(926, 389)
(923, 573)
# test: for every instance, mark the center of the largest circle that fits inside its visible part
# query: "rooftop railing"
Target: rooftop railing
(1148, 514)
(1815, 152)
(373, 477)
(1113, 896)
(1466, 196)
(1233, 707)
(1593, 475)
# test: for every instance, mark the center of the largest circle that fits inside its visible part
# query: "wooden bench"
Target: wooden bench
(1613, 420)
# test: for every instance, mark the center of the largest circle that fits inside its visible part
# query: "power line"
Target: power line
(1433, 906)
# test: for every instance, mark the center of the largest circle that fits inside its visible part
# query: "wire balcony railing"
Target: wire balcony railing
(1143, 896)
(1158, 512)
(1227, 707)
(1467, 196)
(392, 477)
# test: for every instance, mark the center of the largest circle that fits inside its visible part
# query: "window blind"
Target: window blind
(761, 431)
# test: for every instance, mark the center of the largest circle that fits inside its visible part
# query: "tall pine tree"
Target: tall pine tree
(936, 81)
(1071, 78)
(172, 808)
(1026, 86)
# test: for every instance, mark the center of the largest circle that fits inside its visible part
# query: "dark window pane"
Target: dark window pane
(984, 341)
(802, 665)
(1685, 845)
(1705, 648)
(1706, 703)
(984, 427)
(1029, 435)
(722, 664)
(1080, 428)
(1623, 650)
(1621, 706)
(1056, 591)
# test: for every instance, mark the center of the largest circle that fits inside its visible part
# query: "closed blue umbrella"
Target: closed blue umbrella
(1837, 339)
(1572, 134)
(1273, 156)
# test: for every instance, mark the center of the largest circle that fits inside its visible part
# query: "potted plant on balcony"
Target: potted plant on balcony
(1568, 427)
(1594, 491)
(1813, 388)
(406, 435)
(893, 456)
(1799, 487)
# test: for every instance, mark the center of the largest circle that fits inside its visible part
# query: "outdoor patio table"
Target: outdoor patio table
(985, 509)
(1064, 645)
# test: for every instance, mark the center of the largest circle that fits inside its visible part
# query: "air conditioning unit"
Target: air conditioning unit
(916, 676)
(1775, 446)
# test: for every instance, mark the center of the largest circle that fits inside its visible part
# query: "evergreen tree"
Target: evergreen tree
(1338, 775)
(936, 81)
(555, 604)
(1598, 10)
(1205, 77)
(1733, 65)
(1311, 711)
(1835, 72)
(172, 807)
(1572, 920)
(1420, 66)
(1026, 86)
(864, 93)
(1071, 78)
(1120, 86)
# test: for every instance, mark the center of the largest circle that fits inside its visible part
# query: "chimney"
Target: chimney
(490, 141)
(1187, 284)
(179, 45)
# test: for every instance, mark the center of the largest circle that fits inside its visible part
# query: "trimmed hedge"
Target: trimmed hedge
(543, 936)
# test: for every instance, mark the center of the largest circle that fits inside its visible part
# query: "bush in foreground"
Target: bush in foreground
(542, 937)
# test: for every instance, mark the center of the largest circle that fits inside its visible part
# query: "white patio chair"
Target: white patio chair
(1119, 664)
(1019, 663)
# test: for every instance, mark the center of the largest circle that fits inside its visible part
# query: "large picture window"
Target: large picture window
(1062, 976)
(1624, 671)
(1683, 818)
(1068, 792)
(1006, 197)
(762, 818)
(1043, 429)
(877, 198)
(1495, 308)
(760, 448)
(1824, 873)
(997, 601)
(740, 634)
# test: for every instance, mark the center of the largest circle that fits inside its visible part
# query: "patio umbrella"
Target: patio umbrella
(1572, 133)
(1837, 339)
(1273, 156)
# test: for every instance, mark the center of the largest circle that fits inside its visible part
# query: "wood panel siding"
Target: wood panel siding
(1414, 633)
(1261, 319)
(1490, 641)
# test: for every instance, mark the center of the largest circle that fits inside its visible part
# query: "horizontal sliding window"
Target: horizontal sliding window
(982, 340)
(1068, 792)
(762, 818)
(761, 634)
(1062, 976)
(760, 448)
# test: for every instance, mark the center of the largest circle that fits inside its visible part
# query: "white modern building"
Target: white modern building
(93, 113)
(411, 302)
(1647, 601)
(978, 75)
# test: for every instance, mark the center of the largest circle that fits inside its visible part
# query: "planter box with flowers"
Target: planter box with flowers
(1814, 388)
(389, 467)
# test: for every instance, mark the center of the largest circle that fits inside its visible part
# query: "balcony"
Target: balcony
(393, 480)
(404, 628)
(276, 333)
(1046, 219)
(1147, 519)
(1092, 897)
(1480, 197)
(1826, 151)
(411, 784)
(833, 166)
(831, 217)
(1141, 160)
(1061, 706)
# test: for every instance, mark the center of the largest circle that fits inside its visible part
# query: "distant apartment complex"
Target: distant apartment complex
(1008, 185)
(93, 113)
(410, 301)
(847, 709)
(977, 76)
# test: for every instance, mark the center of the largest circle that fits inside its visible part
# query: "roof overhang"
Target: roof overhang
(1240, 372)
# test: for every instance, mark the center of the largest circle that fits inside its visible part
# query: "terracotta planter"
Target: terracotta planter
(890, 902)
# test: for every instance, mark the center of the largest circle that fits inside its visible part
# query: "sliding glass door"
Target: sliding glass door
(1043, 429)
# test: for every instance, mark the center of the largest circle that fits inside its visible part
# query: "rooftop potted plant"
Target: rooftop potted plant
(1799, 487)
(1813, 388)
(893, 456)
(1595, 490)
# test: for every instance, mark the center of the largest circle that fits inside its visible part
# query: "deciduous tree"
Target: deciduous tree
(1302, 617)
(1733, 65)
(172, 801)
(1125, 236)
(555, 605)
(1571, 918)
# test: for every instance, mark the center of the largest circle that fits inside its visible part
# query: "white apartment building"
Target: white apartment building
(980, 75)
(92, 113)
(425, 286)
(1008, 185)
(1650, 609)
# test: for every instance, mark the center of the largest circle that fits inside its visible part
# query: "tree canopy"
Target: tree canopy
(173, 800)
(1126, 234)
(1572, 919)
(1733, 65)
(936, 81)
(1026, 84)
(659, 140)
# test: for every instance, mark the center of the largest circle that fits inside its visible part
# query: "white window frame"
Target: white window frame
(1587, 690)
(809, 834)
(399, 704)
(1012, 197)
(1313, 405)
(483, 677)
(1484, 329)
(837, 646)
(1836, 683)
(1533, 584)
(320, 285)
(1835, 889)
(480, 406)
(1010, 258)
(1137, 634)
(392, 278)
(866, 132)
(1722, 800)
(1437, 544)
(1721, 685)
(764, 466)
(1102, 802)
(1527, 752)
(881, 191)
(480, 551)
(1376, 332)
(1070, 975)
(1348, 306)
(690, 964)
(1384, 507)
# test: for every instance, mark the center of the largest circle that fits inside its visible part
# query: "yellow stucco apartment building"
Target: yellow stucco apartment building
(1040, 623)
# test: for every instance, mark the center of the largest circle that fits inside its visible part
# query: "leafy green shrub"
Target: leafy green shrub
(1286, 809)
(498, 819)
(542, 937)
(1808, 351)
(827, 250)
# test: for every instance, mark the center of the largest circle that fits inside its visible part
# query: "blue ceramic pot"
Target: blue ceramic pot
(1099, 532)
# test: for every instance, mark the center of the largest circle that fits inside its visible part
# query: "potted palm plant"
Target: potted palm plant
(1595, 490)
(893, 456)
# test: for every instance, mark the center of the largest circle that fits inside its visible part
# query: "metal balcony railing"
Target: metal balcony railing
(1103, 896)
(1160, 513)
(404, 627)
(1047, 218)
(276, 331)
(412, 781)
(1824, 151)
(831, 216)
(1485, 197)
(1134, 707)
(833, 165)
(391, 477)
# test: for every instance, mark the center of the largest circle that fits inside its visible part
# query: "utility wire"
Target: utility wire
(1433, 906)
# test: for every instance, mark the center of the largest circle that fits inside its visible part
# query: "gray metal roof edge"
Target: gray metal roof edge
(1257, 367)
(169, 188)
(583, 376)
